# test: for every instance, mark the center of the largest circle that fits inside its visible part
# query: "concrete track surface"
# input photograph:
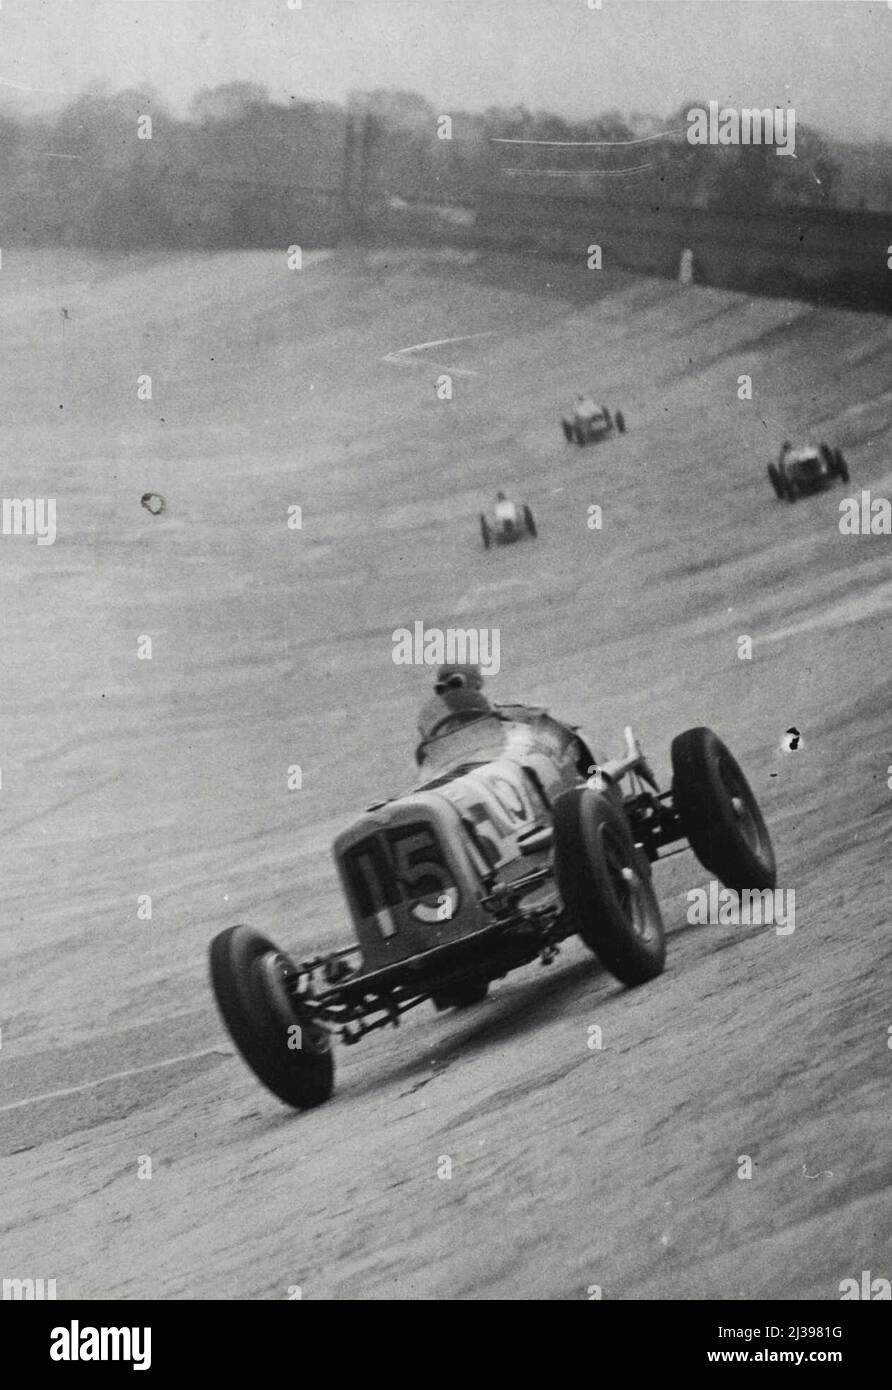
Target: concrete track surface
(271, 647)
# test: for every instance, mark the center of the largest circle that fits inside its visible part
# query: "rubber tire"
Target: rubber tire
(568, 431)
(530, 521)
(580, 436)
(702, 766)
(301, 1077)
(777, 481)
(620, 420)
(485, 532)
(461, 996)
(586, 822)
(840, 465)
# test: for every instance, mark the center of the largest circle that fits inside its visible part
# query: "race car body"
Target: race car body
(507, 521)
(808, 468)
(513, 839)
(586, 427)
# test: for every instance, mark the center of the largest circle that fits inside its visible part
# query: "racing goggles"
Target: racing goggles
(454, 682)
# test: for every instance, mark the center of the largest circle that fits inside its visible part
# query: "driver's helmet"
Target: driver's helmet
(450, 710)
(458, 677)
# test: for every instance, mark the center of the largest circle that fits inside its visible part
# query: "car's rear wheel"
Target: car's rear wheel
(485, 532)
(462, 995)
(529, 521)
(840, 466)
(568, 431)
(719, 813)
(580, 435)
(776, 480)
(620, 421)
(606, 886)
(289, 1052)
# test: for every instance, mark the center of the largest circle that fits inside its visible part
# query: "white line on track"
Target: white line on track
(405, 355)
(877, 603)
(115, 1076)
(481, 592)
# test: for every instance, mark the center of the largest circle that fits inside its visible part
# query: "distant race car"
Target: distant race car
(593, 424)
(513, 840)
(507, 522)
(808, 468)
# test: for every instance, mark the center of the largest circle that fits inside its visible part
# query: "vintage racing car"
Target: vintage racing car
(809, 468)
(513, 839)
(507, 522)
(592, 425)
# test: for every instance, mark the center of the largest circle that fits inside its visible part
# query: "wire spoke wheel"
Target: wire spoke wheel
(606, 886)
(719, 813)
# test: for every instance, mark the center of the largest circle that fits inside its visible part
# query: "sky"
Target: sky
(830, 59)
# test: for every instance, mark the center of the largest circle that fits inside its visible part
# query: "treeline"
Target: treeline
(120, 172)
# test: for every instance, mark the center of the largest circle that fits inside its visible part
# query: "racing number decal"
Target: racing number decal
(496, 817)
(508, 796)
(422, 874)
(402, 867)
(380, 910)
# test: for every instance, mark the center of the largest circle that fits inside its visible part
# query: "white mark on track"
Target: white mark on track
(481, 591)
(876, 604)
(114, 1076)
(406, 355)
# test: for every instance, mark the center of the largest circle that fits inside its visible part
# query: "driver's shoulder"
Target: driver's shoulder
(521, 713)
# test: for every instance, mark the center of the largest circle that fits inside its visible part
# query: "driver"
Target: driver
(457, 677)
(505, 509)
(584, 409)
(459, 700)
(448, 711)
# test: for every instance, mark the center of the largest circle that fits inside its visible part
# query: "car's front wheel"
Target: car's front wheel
(606, 885)
(620, 421)
(288, 1051)
(485, 532)
(719, 813)
(840, 466)
(776, 480)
